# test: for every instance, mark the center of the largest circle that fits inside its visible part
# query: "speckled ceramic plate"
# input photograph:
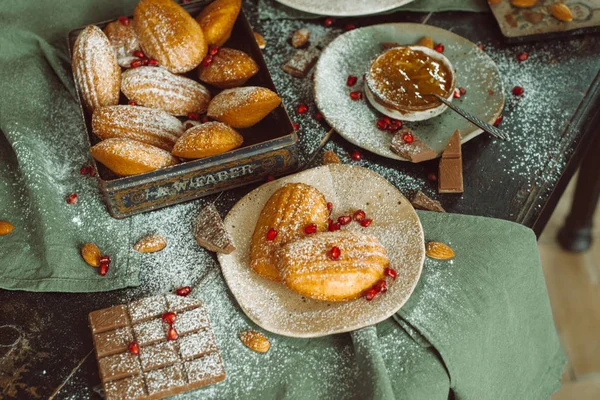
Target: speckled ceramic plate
(274, 307)
(344, 8)
(351, 54)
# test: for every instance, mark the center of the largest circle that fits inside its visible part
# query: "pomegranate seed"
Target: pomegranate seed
(392, 128)
(522, 56)
(349, 27)
(408, 138)
(344, 219)
(270, 178)
(359, 215)
(319, 116)
(481, 47)
(134, 348)
(104, 259)
(145, 61)
(334, 226)
(357, 95)
(271, 234)
(132, 103)
(136, 63)
(169, 317)
(390, 272)
(124, 20)
(351, 81)
(370, 295)
(518, 91)
(381, 286)
(310, 229)
(387, 120)
(365, 222)
(491, 92)
(207, 60)
(312, 77)
(92, 171)
(194, 116)
(213, 50)
(86, 170)
(153, 62)
(456, 93)
(103, 270)
(329, 207)
(172, 334)
(302, 108)
(139, 54)
(498, 120)
(432, 177)
(72, 198)
(183, 291)
(397, 123)
(334, 253)
(296, 126)
(356, 156)
(381, 125)
(439, 48)
(328, 22)
(463, 91)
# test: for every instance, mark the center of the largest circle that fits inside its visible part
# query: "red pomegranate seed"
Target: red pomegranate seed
(349, 27)
(344, 219)
(491, 92)
(462, 91)
(498, 120)
(153, 62)
(392, 128)
(207, 60)
(213, 50)
(310, 229)
(85, 170)
(134, 348)
(370, 295)
(328, 21)
(518, 91)
(204, 119)
(390, 272)
(359, 215)
(270, 178)
(334, 253)
(329, 207)
(456, 93)
(194, 116)
(92, 171)
(139, 54)
(408, 138)
(124, 20)
(356, 95)
(136, 63)
(381, 125)
(365, 222)
(169, 317)
(271, 234)
(387, 120)
(432, 176)
(103, 270)
(183, 291)
(439, 48)
(319, 116)
(397, 123)
(132, 103)
(172, 334)
(334, 226)
(145, 61)
(104, 259)
(381, 286)
(302, 108)
(481, 47)
(351, 81)
(356, 156)
(296, 126)
(522, 56)
(72, 198)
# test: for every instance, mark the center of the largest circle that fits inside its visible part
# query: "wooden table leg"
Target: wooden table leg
(576, 233)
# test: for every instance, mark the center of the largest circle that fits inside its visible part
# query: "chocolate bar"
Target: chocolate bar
(415, 151)
(422, 202)
(450, 176)
(159, 367)
(301, 62)
(211, 233)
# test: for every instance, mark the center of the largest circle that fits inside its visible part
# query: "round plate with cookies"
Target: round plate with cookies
(316, 256)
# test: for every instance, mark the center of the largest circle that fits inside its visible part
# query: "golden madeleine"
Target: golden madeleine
(244, 106)
(206, 140)
(217, 20)
(124, 41)
(283, 219)
(229, 68)
(168, 34)
(308, 267)
(127, 157)
(95, 69)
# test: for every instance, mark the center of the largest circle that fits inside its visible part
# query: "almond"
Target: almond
(255, 341)
(523, 3)
(426, 42)
(5, 228)
(151, 243)
(329, 157)
(260, 40)
(91, 254)
(439, 251)
(561, 12)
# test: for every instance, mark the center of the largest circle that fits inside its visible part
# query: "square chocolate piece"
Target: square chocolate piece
(191, 321)
(129, 388)
(112, 342)
(147, 308)
(208, 368)
(158, 355)
(166, 380)
(197, 344)
(119, 366)
(178, 304)
(150, 332)
(108, 319)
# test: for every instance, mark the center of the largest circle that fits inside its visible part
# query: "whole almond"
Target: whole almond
(561, 12)
(5, 228)
(260, 40)
(439, 251)
(151, 243)
(329, 157)
(300, 37)
(255, 341)
(523, 3)
(91, 254)
(426, 42)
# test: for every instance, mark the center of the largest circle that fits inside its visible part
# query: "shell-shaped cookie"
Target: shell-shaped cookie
(207, 140)
(283, 219)
(124, 41)
(217, 20)
(158, 88)
(95, 69)
(229, 68)
(307, 267)
(169, 34)
(127, 157)
(147, 125)
(244, 106)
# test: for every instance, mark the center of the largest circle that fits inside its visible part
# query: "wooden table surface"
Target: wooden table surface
(44, 337)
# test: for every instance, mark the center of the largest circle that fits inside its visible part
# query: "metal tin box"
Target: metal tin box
(270, 148)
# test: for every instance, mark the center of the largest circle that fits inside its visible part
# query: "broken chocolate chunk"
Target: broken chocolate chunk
(415, 151)
(300, 38)
(301, 62)
(211, 233)
(450, 176)
(422, 202)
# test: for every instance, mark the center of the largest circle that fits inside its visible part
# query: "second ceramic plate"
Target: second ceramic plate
(351, 54)
(344, 8)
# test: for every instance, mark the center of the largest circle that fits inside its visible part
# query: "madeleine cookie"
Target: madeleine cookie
(147, 125)
(124, 41)
(309, 267)
(95, 68)
(283, 219)
(169, 34)
(127, 157)
(244, 106)
(158, 88)
(217, 20)
(206, 140)
(229, 68)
